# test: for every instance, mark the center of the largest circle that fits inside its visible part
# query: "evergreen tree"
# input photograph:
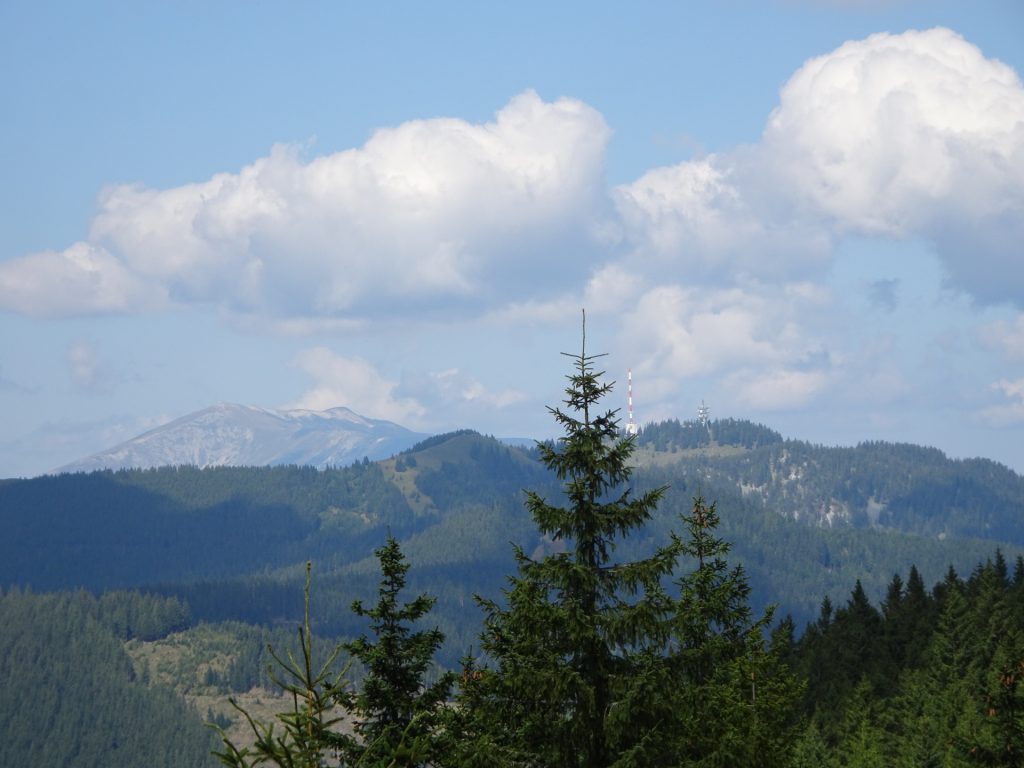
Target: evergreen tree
(580, 629)
(308, 734)
(595, 663)
(396, 712)
(396, 715)
(917, 618)
(732, 695)
(861, 742)
(1001, 737)
(810, 750)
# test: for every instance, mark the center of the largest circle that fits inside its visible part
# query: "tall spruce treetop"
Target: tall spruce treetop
(577, 618)
(396, 712)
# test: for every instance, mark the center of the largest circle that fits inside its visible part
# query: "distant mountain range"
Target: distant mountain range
(233, 541)
(893, 486)
(227, 434)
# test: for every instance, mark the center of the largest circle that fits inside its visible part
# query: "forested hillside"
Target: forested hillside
(881, 485)
(806, 521)
(928, 677)
(70, 696)
(221, 553)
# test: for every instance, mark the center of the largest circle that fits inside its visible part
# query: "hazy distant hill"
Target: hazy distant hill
(237, 435)
(805, 520)
(879, 485)
(228, 544)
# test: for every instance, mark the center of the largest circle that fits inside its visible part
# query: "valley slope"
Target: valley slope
(804, 521)
(220, 553)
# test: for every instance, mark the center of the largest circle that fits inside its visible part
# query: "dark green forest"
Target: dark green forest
(139, 601)
(70, 695)
(231, 541)
(926, 677)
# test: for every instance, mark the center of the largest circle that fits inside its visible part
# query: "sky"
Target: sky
(807, 214)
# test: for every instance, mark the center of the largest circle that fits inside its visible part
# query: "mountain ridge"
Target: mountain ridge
(219, 537)
(229, 434)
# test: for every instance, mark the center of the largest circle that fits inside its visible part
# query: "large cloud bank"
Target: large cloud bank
(897, 135)
(915, 134)
(423, 212)
(721, 260)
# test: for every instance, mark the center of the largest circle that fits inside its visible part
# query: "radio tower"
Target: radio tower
(703, 413)
(631, 428)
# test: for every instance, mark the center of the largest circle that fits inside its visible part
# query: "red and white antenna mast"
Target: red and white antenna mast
(631, 428)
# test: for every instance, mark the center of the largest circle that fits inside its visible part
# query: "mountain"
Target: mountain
(224, 549)
(804, 520)
(888, 486)
(238, 435)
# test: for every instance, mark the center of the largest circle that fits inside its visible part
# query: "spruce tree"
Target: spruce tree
(732, 693)
(308, 735)
(580, 627)
(598, 660)
(396, 712)
(396, 715)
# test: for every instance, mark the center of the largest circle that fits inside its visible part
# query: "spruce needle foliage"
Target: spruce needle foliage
(734, 694)
(578, 623)
(308, 735)
(603, 661)
(396, 714)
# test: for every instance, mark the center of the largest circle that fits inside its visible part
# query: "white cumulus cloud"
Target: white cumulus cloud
(909, 135)
(1006, 337)
(897, 135)
(776, 389)
(1012, 410)
(883, 132)
(694, 332)
(917, 134)
(354, 383)
(677, 333)
(428, 213)
(699, 222)
(82, 279)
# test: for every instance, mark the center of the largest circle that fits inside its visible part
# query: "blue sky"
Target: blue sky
(809, 214)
